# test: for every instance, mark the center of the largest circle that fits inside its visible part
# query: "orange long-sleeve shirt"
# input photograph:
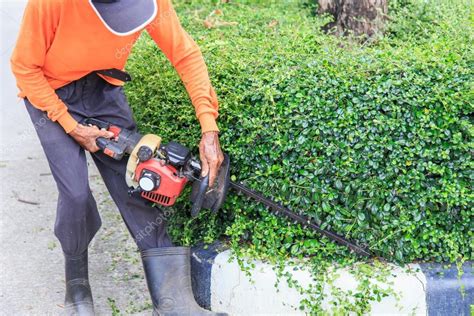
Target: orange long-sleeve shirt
(63, 40)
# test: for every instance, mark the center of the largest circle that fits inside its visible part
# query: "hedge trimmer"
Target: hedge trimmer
(159, 173)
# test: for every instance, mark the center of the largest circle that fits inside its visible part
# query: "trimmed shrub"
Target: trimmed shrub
(371, 140)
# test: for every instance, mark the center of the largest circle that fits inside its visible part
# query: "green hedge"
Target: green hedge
(373, 140)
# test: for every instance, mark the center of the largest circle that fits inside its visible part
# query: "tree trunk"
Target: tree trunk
(358, 17)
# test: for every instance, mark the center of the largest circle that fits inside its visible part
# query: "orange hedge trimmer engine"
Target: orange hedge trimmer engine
(159, 182)
(159, 172)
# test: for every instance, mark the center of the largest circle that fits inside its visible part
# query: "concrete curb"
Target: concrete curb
(425, 289)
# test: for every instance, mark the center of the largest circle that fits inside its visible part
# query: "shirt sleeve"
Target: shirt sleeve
(186, 58)
(35, 37)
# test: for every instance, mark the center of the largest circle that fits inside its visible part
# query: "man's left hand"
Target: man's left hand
(211, 155)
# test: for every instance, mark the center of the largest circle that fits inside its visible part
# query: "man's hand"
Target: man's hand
(86, 136)
(211, 155)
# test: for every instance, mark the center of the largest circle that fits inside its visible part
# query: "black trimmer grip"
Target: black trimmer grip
(102, 143)
(110, 148)
(197, 205)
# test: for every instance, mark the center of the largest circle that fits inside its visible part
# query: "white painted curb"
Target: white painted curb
(234, 292)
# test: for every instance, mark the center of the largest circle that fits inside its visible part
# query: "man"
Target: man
(67, 67)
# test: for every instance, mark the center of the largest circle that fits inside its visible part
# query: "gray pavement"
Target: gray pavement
(31, 262)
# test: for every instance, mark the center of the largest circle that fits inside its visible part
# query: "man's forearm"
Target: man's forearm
(194, 74)
(185, 56)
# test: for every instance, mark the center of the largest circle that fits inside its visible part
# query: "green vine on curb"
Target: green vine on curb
(372, 278)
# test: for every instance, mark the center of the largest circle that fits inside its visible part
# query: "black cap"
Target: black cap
(124, 17)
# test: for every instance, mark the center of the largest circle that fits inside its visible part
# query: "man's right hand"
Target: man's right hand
(86, 136)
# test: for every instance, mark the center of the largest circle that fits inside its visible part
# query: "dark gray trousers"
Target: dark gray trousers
(77, 218)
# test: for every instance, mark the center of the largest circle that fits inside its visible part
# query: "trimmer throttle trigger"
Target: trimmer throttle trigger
(115, 129)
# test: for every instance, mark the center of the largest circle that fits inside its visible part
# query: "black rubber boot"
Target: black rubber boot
(168, 275)
(78, 291)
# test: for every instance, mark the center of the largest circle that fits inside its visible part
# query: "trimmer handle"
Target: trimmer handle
(201, 194)
(204, 197)
(109, 147)
(102, 125)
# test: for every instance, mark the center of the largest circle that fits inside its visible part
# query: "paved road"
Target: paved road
(31, 260)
